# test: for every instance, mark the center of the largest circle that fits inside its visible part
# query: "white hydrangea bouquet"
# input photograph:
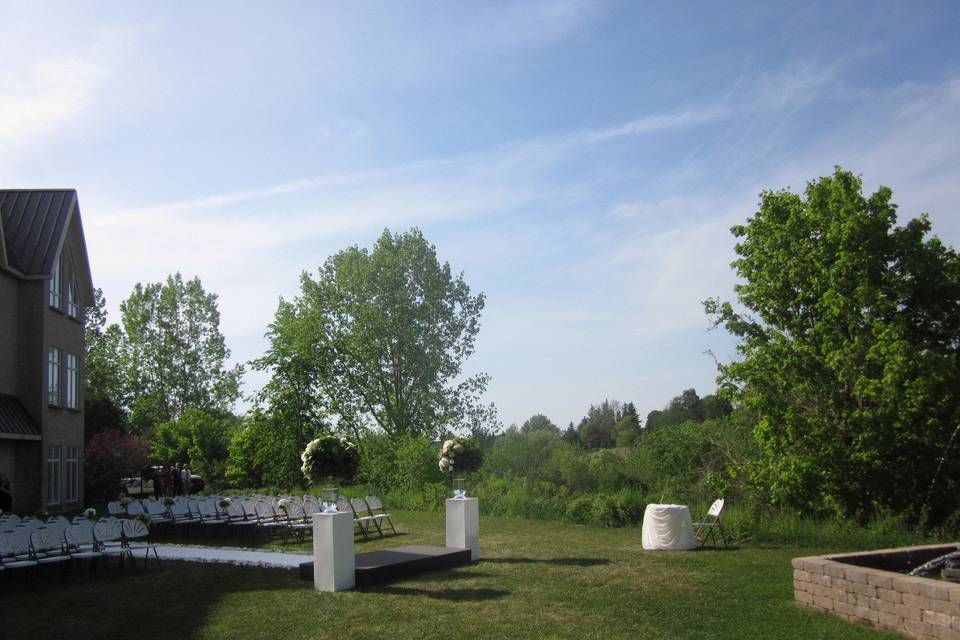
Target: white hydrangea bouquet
(448, 454)
(458, 457)
(329, 456)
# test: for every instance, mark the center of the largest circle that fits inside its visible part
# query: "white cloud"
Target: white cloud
(38, 99)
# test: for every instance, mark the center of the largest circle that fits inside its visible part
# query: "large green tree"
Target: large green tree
(174, 354)
(849, 329)
(105, 393)
(379, 338)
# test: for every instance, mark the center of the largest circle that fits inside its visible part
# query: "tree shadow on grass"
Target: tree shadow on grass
(450, 595)
(561, 562)
(155, 603)
(712, 549)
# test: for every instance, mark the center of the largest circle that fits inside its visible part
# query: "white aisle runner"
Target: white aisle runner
(229, 555)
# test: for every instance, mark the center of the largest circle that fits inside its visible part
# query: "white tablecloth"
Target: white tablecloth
(668, 526)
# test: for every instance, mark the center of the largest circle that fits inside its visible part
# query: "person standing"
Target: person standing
(165, 483)
(185, 475)
(176, 479)
(6, 494)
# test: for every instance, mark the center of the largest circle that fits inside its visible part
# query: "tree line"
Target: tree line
(843, 398)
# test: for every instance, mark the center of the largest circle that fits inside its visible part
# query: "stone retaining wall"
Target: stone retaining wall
(921, 608)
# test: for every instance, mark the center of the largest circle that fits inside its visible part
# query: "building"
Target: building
(45, 286)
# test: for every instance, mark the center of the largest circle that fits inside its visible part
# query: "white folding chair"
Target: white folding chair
(711, 524)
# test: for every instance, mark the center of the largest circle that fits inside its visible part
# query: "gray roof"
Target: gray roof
(33, 224)
(15, 421)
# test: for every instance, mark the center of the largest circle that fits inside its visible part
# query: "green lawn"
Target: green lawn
(536, 580)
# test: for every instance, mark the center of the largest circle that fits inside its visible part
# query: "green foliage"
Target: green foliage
(569, 469)
(523, 455)
(689, 407)
(627, 430)
(405, 464)
(263, 453)
(378, 337)
(170, 354)
(200, 437)
(538, 422)
(848, 351)
(596, 429)
(104, 393)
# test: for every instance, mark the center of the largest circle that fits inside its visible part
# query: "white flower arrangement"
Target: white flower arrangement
(124, 501)
(282, 504)
(224, 503)
(448, 454)
(462, 457)
(329, 456)
(90, 513)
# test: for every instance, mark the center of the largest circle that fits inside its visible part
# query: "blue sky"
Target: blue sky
(580, 162)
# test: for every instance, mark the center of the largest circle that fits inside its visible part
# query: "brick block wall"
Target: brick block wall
(918, 607)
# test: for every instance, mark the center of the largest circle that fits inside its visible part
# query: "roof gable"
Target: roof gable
(34, 222)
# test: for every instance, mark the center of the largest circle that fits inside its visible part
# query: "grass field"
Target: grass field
(536, 580)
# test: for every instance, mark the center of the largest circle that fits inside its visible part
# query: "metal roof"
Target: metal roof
(15, 422)
(33, 224)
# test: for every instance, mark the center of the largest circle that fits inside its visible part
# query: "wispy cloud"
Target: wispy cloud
(40, 98)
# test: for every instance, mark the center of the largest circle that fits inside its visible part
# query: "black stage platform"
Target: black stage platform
(400, 562)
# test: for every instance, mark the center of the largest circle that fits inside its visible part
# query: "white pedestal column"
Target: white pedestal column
(333, 562)
(463, 525)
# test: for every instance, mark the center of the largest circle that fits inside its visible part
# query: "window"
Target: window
(73, 374)
(73, 474)
(55, 285)
(53, 376)
(73, 303)
(53, 474)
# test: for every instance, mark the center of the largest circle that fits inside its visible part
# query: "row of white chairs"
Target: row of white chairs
(276, 516)
(57, 541)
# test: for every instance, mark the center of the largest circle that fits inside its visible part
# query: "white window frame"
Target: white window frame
(73, 377)
(53, 376)
(73, 302)
(54, 287)
(73, 474)
(54, 462)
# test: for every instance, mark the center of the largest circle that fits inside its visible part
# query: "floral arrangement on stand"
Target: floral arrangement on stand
(458, 457)
(282, 505)
(224, 504)
(168, 502)
(124, 500)
(330, 457)
(144, 517)
(90, 513)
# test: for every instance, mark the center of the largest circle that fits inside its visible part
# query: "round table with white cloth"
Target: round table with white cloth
(668, 526)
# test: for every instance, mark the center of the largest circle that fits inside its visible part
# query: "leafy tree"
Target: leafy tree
(109, 456)
(265, 452)
(689, 407)
(378, 339)
(571, 435)
(626, 431)
(198, 436)
(174, 352)
(597, 427)
(539, 422)
(521, 455)
(849, 340)
(104, 393)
